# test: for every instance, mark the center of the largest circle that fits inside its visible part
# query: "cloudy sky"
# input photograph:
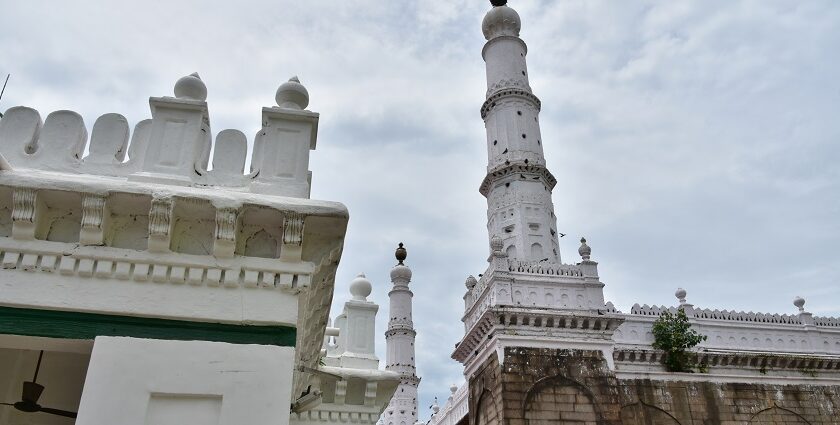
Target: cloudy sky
(695, 144)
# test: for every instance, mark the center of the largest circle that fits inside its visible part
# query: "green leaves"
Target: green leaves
(672, 334)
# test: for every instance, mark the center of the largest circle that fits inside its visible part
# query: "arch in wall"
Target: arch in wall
(486, 412)
(560, 400)
(641, 413)
(536, 251)
(778, 414)
(511, 251)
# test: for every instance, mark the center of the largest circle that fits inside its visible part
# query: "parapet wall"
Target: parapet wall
(728, 330)
(173, 147)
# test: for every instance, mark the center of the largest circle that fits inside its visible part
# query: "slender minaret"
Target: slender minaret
(399, 339)
(518, 185)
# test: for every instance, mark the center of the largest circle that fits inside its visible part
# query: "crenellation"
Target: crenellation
(173, 147)
(19, 132)
(62, 140)
(231, 149)
(108, 141)
(139, 143)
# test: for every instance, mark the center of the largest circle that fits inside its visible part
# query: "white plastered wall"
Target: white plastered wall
(134, 381)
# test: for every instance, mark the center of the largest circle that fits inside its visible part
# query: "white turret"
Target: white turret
(518, 185)
(400, 345)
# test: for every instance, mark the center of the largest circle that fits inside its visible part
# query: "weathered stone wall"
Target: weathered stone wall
(549, 387)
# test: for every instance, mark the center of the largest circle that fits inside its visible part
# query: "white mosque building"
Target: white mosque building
(154, 290)
(531, 312)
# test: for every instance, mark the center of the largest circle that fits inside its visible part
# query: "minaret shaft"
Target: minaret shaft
(399, 340)
(518, 186)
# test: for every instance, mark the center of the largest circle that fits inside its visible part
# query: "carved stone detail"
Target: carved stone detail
(24, 217)
(94, 215)
(160, 224)
(225, 235)
(293, 229)
(292, 236)
(226, 224)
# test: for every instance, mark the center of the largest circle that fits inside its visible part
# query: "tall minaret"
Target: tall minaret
(399, 339)
(518, 185)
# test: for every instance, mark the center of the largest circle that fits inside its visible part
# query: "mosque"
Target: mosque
(144, 282)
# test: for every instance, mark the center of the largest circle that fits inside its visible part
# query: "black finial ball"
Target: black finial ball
(401, 254)
(497, 3)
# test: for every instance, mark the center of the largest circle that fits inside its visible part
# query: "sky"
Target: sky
(695, 144)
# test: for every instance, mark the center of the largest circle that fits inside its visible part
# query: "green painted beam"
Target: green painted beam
(78, 325)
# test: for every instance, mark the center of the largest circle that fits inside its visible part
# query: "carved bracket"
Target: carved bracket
(160, 225)
(94, 220)
(225, 235)
(25, 206)
(292, 237)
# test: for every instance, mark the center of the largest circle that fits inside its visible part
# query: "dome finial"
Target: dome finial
(585, 251)
(401, 254)
(471, 282)
(292, 95)
(799, 302)
(360, 287)
(680, 294)
(191, 87)
(500, 21)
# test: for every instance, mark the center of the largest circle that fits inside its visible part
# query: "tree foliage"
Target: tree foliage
(672, 334)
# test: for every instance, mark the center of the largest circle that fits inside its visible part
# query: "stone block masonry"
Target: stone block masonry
(540, 386)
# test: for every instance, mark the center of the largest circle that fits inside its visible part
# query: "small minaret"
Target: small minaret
(518, 185)
(399, 339)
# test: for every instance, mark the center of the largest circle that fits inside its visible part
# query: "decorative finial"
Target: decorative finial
(401, 254)
(360, 287)
(496, 244)
(453, 388)
(292, 95)
(585, 251)
(191, 87)
(680, 294)
(799, 302)
(500, 21)
(471, 282)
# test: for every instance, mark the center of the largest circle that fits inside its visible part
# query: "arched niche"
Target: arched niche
(641, 413)
(261, 232)
(559, 400)
(486, 411)
(536, 251)
(778, 415)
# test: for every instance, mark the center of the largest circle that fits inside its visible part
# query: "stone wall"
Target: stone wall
(548, 386)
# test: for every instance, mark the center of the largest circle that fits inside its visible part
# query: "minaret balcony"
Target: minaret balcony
(528, 170)
(508, 93)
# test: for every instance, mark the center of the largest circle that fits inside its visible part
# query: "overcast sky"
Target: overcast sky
(695, 144)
